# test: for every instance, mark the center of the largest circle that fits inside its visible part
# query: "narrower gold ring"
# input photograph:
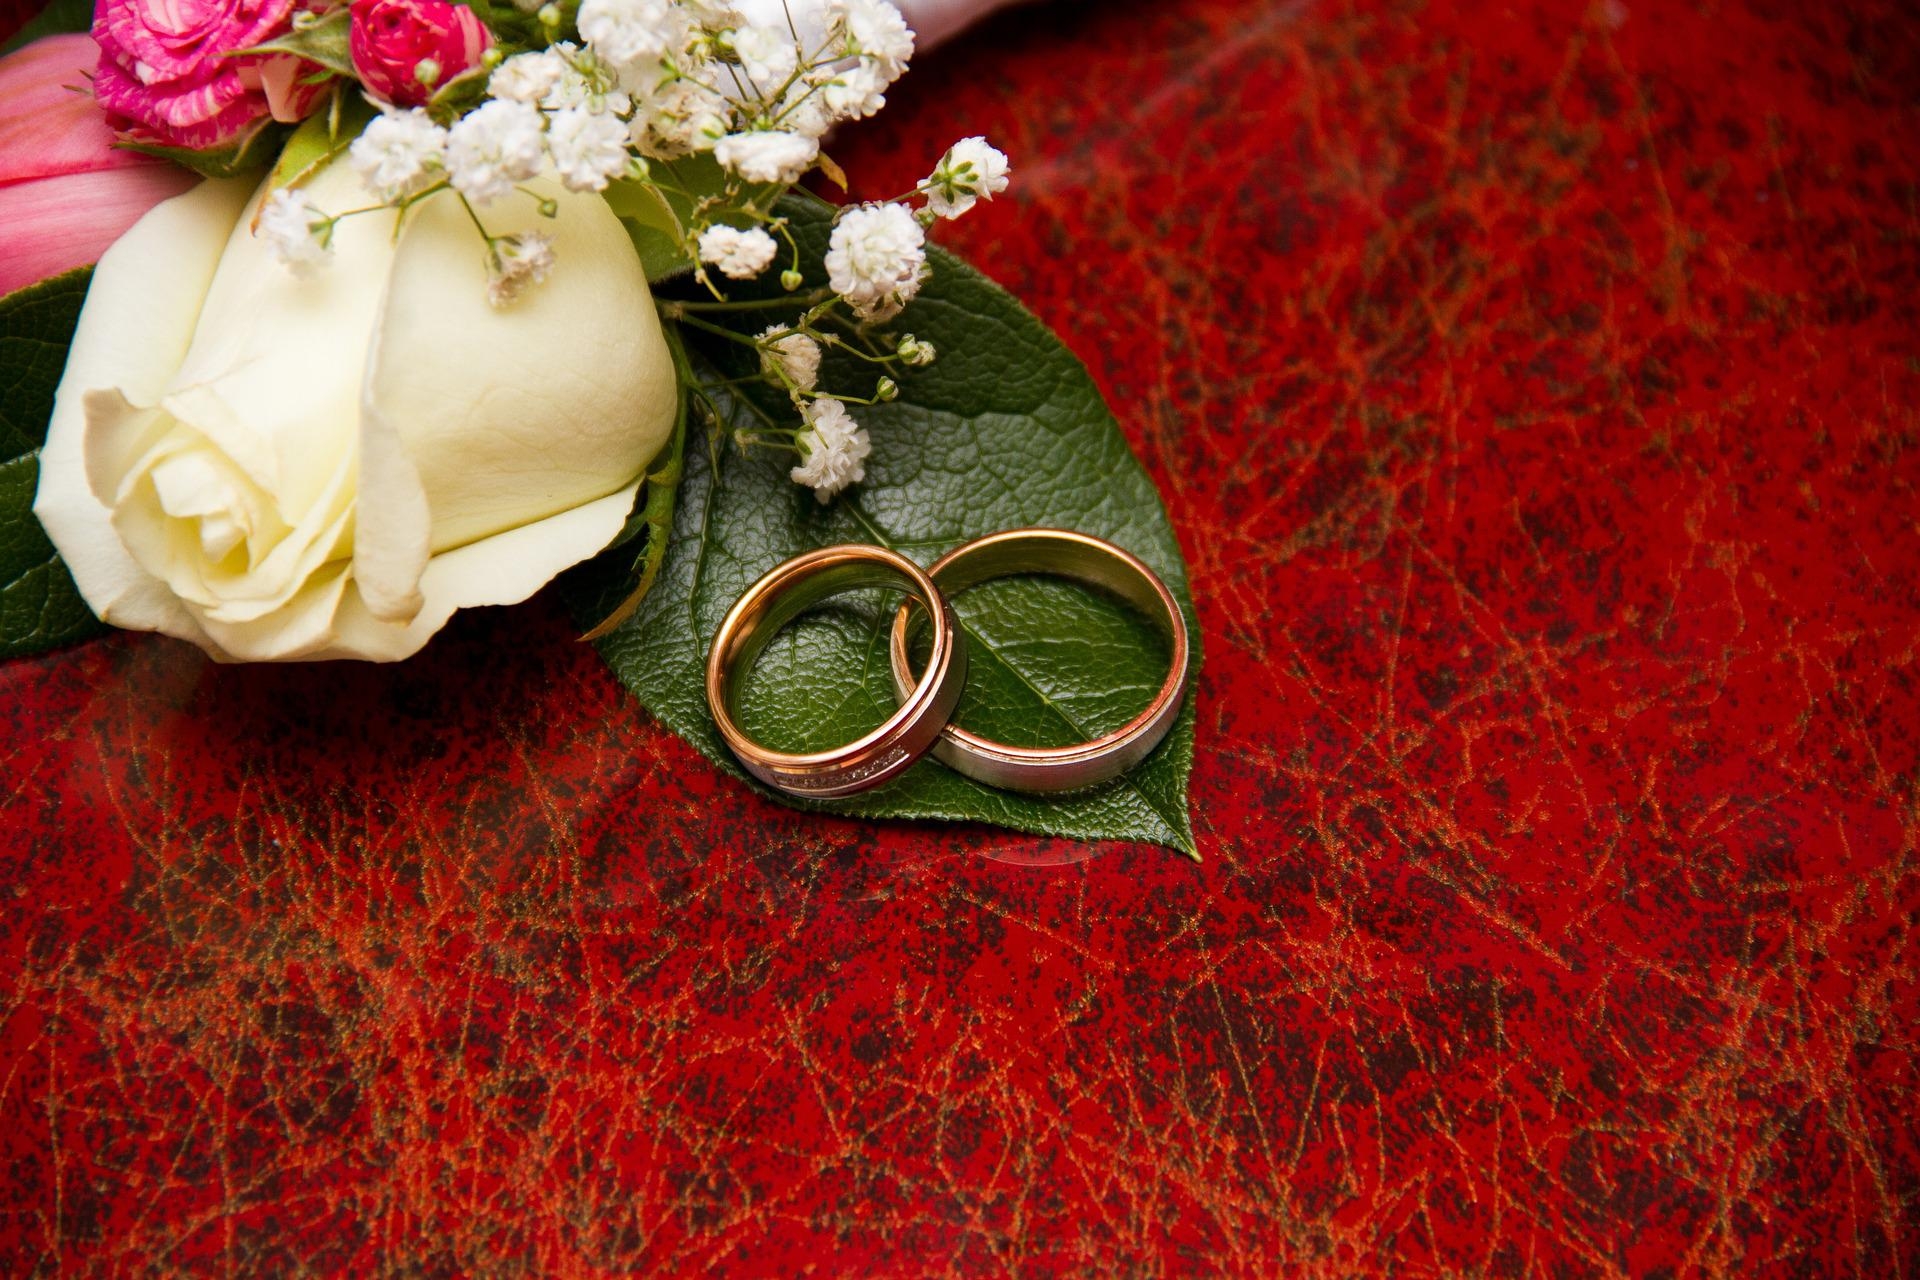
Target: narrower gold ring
(783, 594)
(1097, 563)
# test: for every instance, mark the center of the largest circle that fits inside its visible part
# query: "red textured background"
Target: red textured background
(1534, 391)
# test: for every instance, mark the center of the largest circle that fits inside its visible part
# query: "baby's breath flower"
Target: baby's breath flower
(514, 262)
(876, 259)
(400, 154)
(628, 31)
(971, 170)
(767, 155)
(493, 147)
(833, 448)
(915, 351)
(296, 231)
(852, 93)
(803, 110)
(795, 354)
(680, 119)
(874, 32)
(527, 77)
(740, 255)
(589, 148)
(584, 80)
(766, 54)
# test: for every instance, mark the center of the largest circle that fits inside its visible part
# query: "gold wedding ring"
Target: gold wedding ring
(783, 594)
(1082, 558)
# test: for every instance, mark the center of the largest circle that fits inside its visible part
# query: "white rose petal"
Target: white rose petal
(277, 468)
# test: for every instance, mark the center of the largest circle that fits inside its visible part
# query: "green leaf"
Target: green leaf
(323, 41)
(319, 138)
(58, 18)
(247, 151)
(1006, 429)
(39, 605)
(658, 211)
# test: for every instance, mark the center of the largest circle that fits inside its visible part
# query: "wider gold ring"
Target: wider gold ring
(783, 594)
(1097, 563)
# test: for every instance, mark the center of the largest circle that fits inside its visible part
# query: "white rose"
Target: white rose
(281, 468)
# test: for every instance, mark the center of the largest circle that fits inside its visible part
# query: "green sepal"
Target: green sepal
(320, 137)
(323, 42)
(250, 150)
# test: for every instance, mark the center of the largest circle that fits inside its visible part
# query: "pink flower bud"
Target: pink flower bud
(65, 192)
(391, 39)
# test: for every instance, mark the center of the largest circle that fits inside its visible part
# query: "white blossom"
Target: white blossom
(834, 449)
(682, 118)
(493, 147)
(527, 77)
(876, 258)
(400, 153)
(795, 354)
(852, 93)
(589, 148)
(767, 54)
(767, 155)
(584, 80)
(971, 170)
(514, 262)
(628, 31)
(740, 255)
(804, 111)
(294, 229)
(874, 32)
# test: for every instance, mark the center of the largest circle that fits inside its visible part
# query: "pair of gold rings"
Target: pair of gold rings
(923, 720)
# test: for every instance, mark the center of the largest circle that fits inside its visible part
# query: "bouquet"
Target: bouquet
(472, 297)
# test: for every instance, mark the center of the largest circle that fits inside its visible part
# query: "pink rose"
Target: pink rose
(392, 38)
(65, 192)
(164, 70)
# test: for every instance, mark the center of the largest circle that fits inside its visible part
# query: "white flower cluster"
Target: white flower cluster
(755, 84)
(833, 449)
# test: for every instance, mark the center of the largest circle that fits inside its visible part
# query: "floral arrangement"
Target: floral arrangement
(458, 288)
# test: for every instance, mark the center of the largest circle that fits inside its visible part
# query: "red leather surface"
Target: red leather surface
(1534, 390)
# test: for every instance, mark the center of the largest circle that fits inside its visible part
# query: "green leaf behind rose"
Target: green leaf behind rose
(61, 17)
(39, 605)
(1006, 429)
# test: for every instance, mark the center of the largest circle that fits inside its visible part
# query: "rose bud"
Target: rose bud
(404, 50)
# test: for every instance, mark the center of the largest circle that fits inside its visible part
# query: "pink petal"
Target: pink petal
(51, 225)
(49, 122)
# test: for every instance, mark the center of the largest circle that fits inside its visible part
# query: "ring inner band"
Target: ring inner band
(783, 594)
(755, 633)
(1093, 562)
